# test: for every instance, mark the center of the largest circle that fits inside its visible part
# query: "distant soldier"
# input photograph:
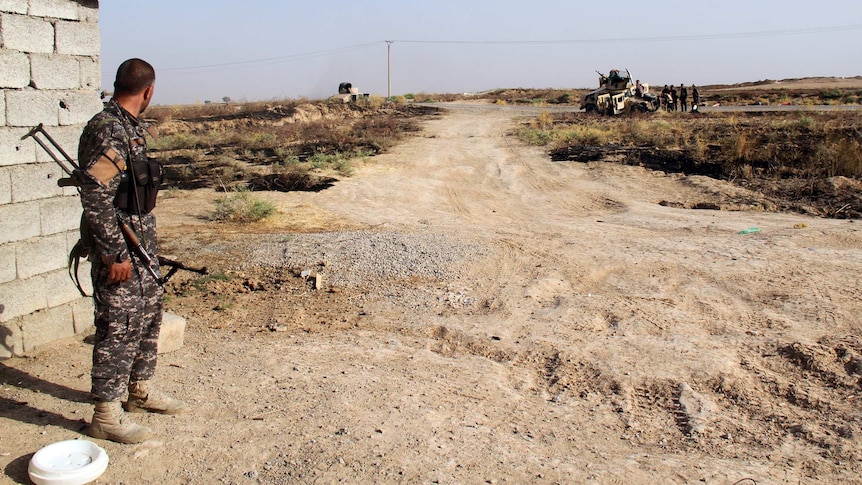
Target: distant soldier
(665, 98)
(639, 88)
(673, 100)
(695, 101)
(683, 98)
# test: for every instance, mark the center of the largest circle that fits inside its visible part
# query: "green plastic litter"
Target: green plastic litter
(749, 230)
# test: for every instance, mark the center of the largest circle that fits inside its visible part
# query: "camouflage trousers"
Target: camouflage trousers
(128, 317)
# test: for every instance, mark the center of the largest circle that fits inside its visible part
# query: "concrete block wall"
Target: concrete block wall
(49, 74)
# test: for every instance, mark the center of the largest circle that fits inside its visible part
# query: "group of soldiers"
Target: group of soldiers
(673, 99)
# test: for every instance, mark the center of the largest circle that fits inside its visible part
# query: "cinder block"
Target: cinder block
(11, 340)
(41, 255)
(13, 6)
(27, 34)
(14, 69)
(60, 214)
(78, 39)
(19, 222)
(59, 287)
(91, 73)
(5, 186)
(34, 181)
(14, 150)
(88, 13)
(77, 107)
(8, 272)
(49, 71)
(20, 297)
(54, 9)
(172, 333)
(45, 326)
(82, 314)
(28, 108)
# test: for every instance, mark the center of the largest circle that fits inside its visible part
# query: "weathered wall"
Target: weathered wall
(49, 73)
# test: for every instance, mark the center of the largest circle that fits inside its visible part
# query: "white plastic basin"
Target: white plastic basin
(72, 462)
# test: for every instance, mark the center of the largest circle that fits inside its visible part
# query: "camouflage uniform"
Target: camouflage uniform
(128, 315)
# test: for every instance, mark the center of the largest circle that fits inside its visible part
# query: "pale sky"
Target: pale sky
(267, 49)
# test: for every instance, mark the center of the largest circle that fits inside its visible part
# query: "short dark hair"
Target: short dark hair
(133, 76)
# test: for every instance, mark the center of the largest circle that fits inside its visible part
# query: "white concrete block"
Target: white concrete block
(14, 69)
(54, 9)
(34, 181)
(48, 71)
(45, 326)
(2, 107)
(60, 288)
(13, 6)
(14, 150)
(172, 333)
(77, 107)
(27, 34)
(19, 222)
(60, 215)
(83, 313)
(78, 39)
(91, 73)
(41, 255)
(20, 297)
(8, 270)
(88, 11)
(5, 186)
(28, 108)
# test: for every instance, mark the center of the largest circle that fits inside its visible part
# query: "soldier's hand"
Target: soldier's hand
(120, 272)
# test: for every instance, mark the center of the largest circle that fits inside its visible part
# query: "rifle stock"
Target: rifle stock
(176, 266)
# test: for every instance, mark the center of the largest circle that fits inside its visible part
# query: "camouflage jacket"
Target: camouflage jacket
(111, 140)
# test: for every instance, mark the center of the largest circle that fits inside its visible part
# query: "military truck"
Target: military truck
(349, 94)
(617, 95)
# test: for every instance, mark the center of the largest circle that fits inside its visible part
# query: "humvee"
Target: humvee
(617, 95)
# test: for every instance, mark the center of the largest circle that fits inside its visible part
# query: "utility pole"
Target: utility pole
(389, 68)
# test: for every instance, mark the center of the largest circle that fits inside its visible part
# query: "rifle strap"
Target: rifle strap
(78, 252)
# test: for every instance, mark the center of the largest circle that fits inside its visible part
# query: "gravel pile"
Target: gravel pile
(363, 258)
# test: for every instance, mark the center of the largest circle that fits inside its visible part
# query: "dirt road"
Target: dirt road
(593, 333)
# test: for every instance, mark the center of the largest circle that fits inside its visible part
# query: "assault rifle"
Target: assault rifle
(73, 170)
(147, 260)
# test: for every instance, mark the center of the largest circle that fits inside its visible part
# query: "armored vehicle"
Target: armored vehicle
(617, 95)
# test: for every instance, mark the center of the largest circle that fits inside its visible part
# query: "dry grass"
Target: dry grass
(790, 156)
(811, 144)
(225, 146)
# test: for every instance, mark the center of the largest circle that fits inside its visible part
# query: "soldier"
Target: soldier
(119, 186)
(695, 101)
(683, 98)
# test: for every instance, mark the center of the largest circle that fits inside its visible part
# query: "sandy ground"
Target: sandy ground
(601, 337)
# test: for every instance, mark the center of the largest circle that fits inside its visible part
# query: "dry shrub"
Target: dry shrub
(840, 157)
(544, 121)
(741, 147)
(241, 207)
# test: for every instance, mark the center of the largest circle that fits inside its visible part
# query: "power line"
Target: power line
(672, 38)
(621, 40)
(266, 61)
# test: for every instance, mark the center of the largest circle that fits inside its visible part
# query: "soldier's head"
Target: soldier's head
(136, 78)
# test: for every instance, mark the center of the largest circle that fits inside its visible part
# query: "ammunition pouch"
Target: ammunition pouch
(138, 190)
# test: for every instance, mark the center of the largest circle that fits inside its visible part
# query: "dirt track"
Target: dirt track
(601, 338)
